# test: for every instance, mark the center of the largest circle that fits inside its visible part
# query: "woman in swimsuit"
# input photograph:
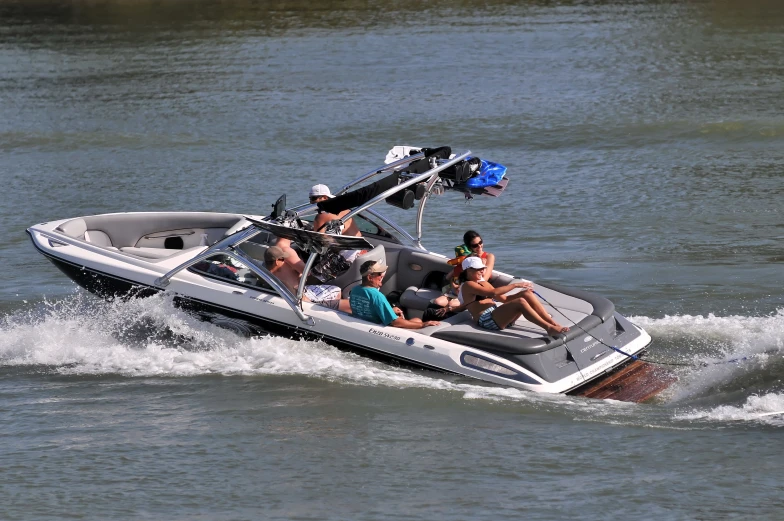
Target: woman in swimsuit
(472, 242)
(481, 299)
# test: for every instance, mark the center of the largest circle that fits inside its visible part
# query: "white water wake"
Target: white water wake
(150, 337)
(81, 335)
(725, 354)
(767, 408)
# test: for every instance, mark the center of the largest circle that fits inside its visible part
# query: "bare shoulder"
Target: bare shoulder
(322, 218)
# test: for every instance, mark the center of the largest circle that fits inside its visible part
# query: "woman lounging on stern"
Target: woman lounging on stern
(482, 301)
(473, 245)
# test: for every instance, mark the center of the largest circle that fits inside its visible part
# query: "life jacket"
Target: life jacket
(458, 261)
(461, 252)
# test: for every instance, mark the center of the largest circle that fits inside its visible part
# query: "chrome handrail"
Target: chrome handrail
(272, 280)
(220, 246)
(305, 272)
(421, 210)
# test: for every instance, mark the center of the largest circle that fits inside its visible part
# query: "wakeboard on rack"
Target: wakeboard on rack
(472, 176)
(309, 240)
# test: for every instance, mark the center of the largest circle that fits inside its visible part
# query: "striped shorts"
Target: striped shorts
(486, 319)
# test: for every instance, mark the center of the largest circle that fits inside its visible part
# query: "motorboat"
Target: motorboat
(212, 264)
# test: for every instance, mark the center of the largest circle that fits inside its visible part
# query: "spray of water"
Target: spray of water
(150, 337)
(81, 335)
(735, 358)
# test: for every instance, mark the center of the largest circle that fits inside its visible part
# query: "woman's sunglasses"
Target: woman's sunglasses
(476, 244)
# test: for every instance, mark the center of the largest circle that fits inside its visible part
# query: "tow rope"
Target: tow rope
(634, 357)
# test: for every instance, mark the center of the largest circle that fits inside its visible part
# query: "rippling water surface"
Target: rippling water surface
(644, 142)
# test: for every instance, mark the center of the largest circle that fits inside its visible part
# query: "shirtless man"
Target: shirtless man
(320, 193)
(325, 295)
(317, 194)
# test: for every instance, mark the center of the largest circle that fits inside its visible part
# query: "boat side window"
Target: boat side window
(227, 269)
(368, 227)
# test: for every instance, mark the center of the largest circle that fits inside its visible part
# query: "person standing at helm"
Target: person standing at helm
(320, 193)
(317, 194)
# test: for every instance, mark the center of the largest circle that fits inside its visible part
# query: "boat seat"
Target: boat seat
(74, 228)
(77, 228)
(418, 298)
(149, 253)
(98, 238)
(351, 277)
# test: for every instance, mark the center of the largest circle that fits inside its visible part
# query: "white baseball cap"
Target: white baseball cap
(319, 191)
(473, 262)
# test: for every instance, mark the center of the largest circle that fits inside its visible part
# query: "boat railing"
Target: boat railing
(430, 177)
(305, 208)
(230, 246)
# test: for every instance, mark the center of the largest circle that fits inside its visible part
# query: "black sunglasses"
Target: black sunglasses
(476, 244)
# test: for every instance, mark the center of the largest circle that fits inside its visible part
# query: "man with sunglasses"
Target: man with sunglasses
(368, 303)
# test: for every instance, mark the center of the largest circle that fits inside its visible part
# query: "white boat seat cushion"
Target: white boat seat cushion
(74, 228)
(149, 253)
(418, 298)
(351, 277)
(97, 237)
(239, 225)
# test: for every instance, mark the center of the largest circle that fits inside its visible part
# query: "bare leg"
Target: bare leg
(541, 311)
(441, 301)
(344, 306)
(511, 311)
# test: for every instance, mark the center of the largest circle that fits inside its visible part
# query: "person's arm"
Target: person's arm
(349, 228)
(293, 259)
(404, 323)
(489, 263)
(477, 289)
(387, 312)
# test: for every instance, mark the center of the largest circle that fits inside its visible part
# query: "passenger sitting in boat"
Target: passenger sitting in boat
(472, 245)
(481, 299)
(325, 295)
(320, 193)
(368, 303)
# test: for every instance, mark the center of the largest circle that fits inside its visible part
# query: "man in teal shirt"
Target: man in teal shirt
(368, 303)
